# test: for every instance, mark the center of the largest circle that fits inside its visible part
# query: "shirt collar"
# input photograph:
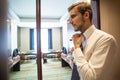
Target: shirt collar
(89, 31)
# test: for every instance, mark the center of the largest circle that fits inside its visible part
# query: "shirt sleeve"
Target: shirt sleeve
(91, 70)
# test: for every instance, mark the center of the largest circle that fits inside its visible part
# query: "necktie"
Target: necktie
(82, 46)
(75, 74)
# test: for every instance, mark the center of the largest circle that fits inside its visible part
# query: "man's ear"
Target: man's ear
(86, 15)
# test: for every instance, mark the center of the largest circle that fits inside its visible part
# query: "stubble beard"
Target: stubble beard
(80, 26)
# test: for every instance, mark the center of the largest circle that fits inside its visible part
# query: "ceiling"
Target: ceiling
(50, 9)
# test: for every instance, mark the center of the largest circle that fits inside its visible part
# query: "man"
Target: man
(99, 59)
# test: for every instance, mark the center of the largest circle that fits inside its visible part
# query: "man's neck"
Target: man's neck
(86, 26)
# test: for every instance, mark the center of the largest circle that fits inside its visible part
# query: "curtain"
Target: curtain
(49, 38)
(32, 39)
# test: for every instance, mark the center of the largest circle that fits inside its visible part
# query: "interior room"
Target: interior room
(23, 31)
(32, 52)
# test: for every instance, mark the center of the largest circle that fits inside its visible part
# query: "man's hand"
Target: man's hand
(71, 50)
(77, 40)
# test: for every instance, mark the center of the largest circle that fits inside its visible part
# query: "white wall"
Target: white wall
(25, 40)
(56, 38)
(13, 35)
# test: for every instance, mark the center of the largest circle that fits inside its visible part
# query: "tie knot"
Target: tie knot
(83, 42)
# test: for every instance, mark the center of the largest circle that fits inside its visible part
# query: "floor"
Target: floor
(51, 70)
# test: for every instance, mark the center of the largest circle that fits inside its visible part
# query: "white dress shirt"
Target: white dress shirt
(98, 60)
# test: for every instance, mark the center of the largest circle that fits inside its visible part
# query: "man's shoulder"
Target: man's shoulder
(104, 35)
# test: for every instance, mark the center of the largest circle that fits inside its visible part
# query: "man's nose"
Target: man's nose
(69, 21)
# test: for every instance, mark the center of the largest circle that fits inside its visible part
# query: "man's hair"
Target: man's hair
(82, 7)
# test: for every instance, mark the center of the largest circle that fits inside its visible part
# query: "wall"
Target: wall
(68, 31)
(25, 42)
(64, 34)
(24, 39)
(56, 38)
(110, 17)
(13, 35)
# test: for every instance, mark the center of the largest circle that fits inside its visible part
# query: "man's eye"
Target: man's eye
(73, 16)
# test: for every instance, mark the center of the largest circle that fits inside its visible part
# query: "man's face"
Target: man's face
(76, 19)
